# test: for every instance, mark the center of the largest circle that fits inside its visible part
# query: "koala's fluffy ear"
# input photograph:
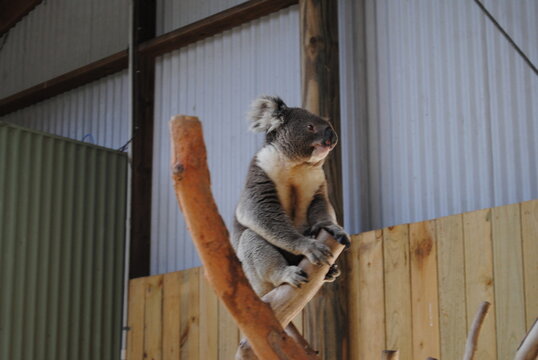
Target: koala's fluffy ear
(266, 113)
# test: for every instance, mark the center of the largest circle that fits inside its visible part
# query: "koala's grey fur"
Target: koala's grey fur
(285, 200)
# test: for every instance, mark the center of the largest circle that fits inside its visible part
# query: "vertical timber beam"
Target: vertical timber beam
(143, 88)
(324, 320)
(320, 79)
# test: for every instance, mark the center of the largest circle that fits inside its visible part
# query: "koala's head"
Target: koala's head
(300, 135)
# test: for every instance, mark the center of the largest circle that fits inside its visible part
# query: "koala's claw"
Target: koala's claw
(295, 276)
(343, 238)
(318, 253)
(333, 273)
(311, 232)
(339, 234)
(314, 230)
(335, 230)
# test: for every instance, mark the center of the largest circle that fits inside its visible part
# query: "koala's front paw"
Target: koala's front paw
(342, 237)
(295, 276)
(333, 273)
(335, 230)
(317, 253)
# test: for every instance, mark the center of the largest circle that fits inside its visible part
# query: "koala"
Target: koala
(284, 203)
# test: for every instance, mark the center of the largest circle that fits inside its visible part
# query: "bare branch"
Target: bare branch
(528, 350)
(472, 338)
(390, 355)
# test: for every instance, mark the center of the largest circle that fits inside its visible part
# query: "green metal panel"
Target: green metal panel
(62, 234)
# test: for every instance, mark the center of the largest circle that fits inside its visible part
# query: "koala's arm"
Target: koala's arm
(321, 215)
(260, 210)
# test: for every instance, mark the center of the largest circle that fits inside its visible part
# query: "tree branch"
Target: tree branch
(390, 355)
(472, 338)
(211, 238)
(528, 350)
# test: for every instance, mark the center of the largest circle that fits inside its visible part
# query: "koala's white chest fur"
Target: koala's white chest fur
(296, 185)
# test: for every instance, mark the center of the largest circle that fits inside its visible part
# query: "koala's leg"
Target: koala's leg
(264, 265)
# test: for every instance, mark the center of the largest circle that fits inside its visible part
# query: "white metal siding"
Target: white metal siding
(173, 14)
(519, 19)
(96, 113)
(60, 36)
(450, 114)
(216, 79)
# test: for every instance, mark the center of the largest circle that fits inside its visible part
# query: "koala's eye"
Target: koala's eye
(310, 127)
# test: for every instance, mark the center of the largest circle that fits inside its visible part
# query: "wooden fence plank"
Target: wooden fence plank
(479, 277)
(509, 290)
(153, 318)
(398, 290)
(424, 299)
(228, 334)
(529, 233)
(371, 331)
(209, 327)
(451, 280)
(298, 322)
(353, 296)
(135, 337)
(190, 314)
(171, 319)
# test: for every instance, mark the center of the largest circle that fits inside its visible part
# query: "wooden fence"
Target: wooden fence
(178, 316)
(413, 287)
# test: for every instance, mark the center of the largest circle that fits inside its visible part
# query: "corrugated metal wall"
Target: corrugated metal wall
(216, 79)
(449, 119)
(519, 19)
(62, 233)
(59, 36)
(173, 14)
(96, 113)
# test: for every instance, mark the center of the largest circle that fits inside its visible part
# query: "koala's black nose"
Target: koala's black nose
(329, 136)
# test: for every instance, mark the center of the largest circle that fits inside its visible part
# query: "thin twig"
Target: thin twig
(472, 338)
(390, 355)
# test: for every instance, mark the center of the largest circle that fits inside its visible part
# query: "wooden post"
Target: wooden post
(143, 85)
(320, 82)
(223, 270)
(325, 324)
